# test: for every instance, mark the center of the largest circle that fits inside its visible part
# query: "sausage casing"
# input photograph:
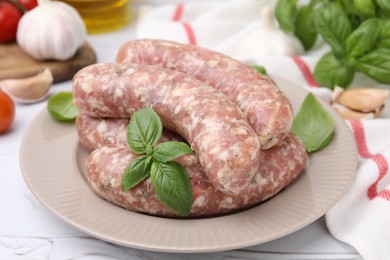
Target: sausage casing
(105, 166)
(227, 147)
(266, 108)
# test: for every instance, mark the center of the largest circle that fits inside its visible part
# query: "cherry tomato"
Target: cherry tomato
(28, 4)
(7, 111)
(9, 18)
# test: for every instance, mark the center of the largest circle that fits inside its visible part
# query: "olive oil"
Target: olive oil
(103, 15)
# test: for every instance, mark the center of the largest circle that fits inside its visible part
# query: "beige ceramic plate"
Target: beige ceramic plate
(52, 163)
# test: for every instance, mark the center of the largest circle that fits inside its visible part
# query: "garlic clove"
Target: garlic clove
(347, 113)
(29, 90)
(363, 99)
(360, 102)
(336, 92)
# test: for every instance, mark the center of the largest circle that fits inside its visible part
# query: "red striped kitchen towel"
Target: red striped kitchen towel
(362, 217)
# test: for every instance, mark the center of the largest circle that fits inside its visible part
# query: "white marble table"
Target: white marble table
(29, 231)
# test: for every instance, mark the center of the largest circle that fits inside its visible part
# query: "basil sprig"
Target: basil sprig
(313, 125)
(357, 31)
(170, 180)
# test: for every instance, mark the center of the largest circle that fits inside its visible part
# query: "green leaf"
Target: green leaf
(172, 186)
(331, 72)
(260, 69)
(326, 141)
(313, 125)
(364, 8)
(136, 172)
(363, 38)
(384, 6)
(347, 5)
(333, 25)
(61, 107)
(376, 64)
(285, 11)
(385, 43)
(313, 3)
(304, 28)
(169, 151)
(384, 34)
(145, 128)
(385, 29)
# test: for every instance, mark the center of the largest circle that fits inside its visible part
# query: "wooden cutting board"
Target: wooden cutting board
(15, 63)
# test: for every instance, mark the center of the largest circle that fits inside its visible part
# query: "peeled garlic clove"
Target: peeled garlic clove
(363, 99)
(29, 90)
(347, 113)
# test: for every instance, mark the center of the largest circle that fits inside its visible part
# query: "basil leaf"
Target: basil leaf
(169, 151)
(346, 5)
(376, 64)
(136, 172)
(304, 28)
(144, 129)
(260, 69)
(363, 38)
(385, 43)
(364, 8)
(61, 107)
(333, 25)
(384, 35)
(331, 72)
(313, 3)
(313, 124)
(285, 11)
(172, 186)
(326, 141)
(384, 6)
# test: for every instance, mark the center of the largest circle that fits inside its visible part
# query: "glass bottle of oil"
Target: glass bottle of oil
(103, 15)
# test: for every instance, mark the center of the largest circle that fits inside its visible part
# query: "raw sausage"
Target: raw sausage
(282, 164)
(95, 132)
(227, 147)
(266, 108)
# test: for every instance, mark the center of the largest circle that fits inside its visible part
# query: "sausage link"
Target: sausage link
(94, 132)
(282, 164)
(227, 147)
(266, 108)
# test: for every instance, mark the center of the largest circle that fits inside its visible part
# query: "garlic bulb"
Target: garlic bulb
(52, 30)
(266, 39)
